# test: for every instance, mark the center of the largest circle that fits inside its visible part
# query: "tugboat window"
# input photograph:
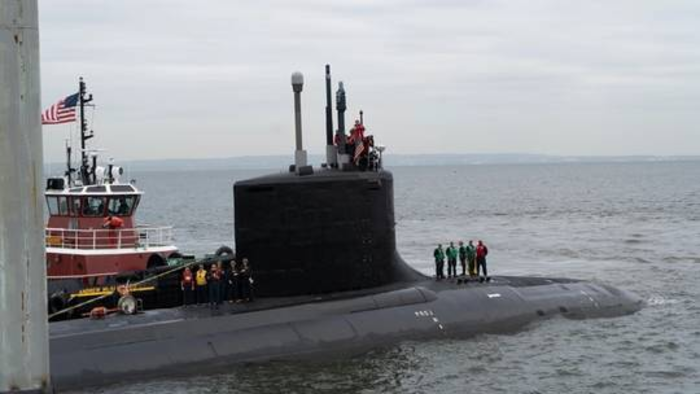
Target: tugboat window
(121, 206)
(52, 203)
(136, 203)
(75, 206)
(63, 206)
(122, 188)
(94, 206)
(96, 189)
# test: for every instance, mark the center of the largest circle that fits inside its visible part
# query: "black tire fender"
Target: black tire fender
(224, 250)
(156, 260)
(57, 302)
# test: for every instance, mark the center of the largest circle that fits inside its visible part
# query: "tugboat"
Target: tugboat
(92, 239)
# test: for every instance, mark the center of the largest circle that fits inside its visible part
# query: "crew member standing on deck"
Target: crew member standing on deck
(201, 280)
(112, 223)
(471, 258)
(232, 285)
(246, 281)
(223, 281)
(214, 282)
(356, 140)
(463, 257)
(187, 286)
(451, 260)
(439, 255)
(481, 252)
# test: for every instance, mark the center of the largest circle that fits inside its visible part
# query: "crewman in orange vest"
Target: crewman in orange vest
(357, 133)
(112, 223)
(187, 286)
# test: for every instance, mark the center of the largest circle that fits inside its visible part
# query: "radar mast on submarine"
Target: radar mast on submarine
(343, 152)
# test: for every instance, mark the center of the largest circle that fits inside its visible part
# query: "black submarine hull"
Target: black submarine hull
(196, 340)
(329, 282)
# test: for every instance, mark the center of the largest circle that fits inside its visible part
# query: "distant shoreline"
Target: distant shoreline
(395, 160)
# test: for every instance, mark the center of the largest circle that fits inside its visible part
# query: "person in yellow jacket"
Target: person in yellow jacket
(201, 281)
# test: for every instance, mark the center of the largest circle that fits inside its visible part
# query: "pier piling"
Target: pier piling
(24, 352)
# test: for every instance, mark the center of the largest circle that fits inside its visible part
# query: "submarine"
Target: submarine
(329, 282)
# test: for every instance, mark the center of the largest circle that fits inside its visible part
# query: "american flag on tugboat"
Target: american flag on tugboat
(61, 112)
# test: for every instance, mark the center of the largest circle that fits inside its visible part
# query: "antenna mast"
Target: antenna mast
(69, 169)
(87, 174)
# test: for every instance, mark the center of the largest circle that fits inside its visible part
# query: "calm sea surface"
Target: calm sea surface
(632, 225)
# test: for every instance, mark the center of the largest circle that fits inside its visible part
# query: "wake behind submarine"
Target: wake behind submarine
(329, 282)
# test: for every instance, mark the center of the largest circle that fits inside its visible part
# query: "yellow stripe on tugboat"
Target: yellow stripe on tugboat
(106, 290)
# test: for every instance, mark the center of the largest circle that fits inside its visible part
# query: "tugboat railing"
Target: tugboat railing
(100, 239)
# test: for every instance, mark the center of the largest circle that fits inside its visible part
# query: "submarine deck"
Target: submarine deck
(169, 315)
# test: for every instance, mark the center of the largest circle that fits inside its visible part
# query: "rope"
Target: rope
(205, 260)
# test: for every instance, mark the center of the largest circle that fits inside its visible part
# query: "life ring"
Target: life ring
(155, 261)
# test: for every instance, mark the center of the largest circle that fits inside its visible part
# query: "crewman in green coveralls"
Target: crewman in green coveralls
(451, 260)
(471, 258)
(463, 257)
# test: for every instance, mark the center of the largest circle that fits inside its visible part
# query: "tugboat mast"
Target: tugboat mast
(87, 174)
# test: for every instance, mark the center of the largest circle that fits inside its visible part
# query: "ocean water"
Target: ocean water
(632, 225)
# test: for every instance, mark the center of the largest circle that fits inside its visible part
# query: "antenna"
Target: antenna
(341, 106)
(86, 173)
(69, 169)
(300, 153)
(331, 153)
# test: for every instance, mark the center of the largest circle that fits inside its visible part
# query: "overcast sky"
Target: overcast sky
(196, 79)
